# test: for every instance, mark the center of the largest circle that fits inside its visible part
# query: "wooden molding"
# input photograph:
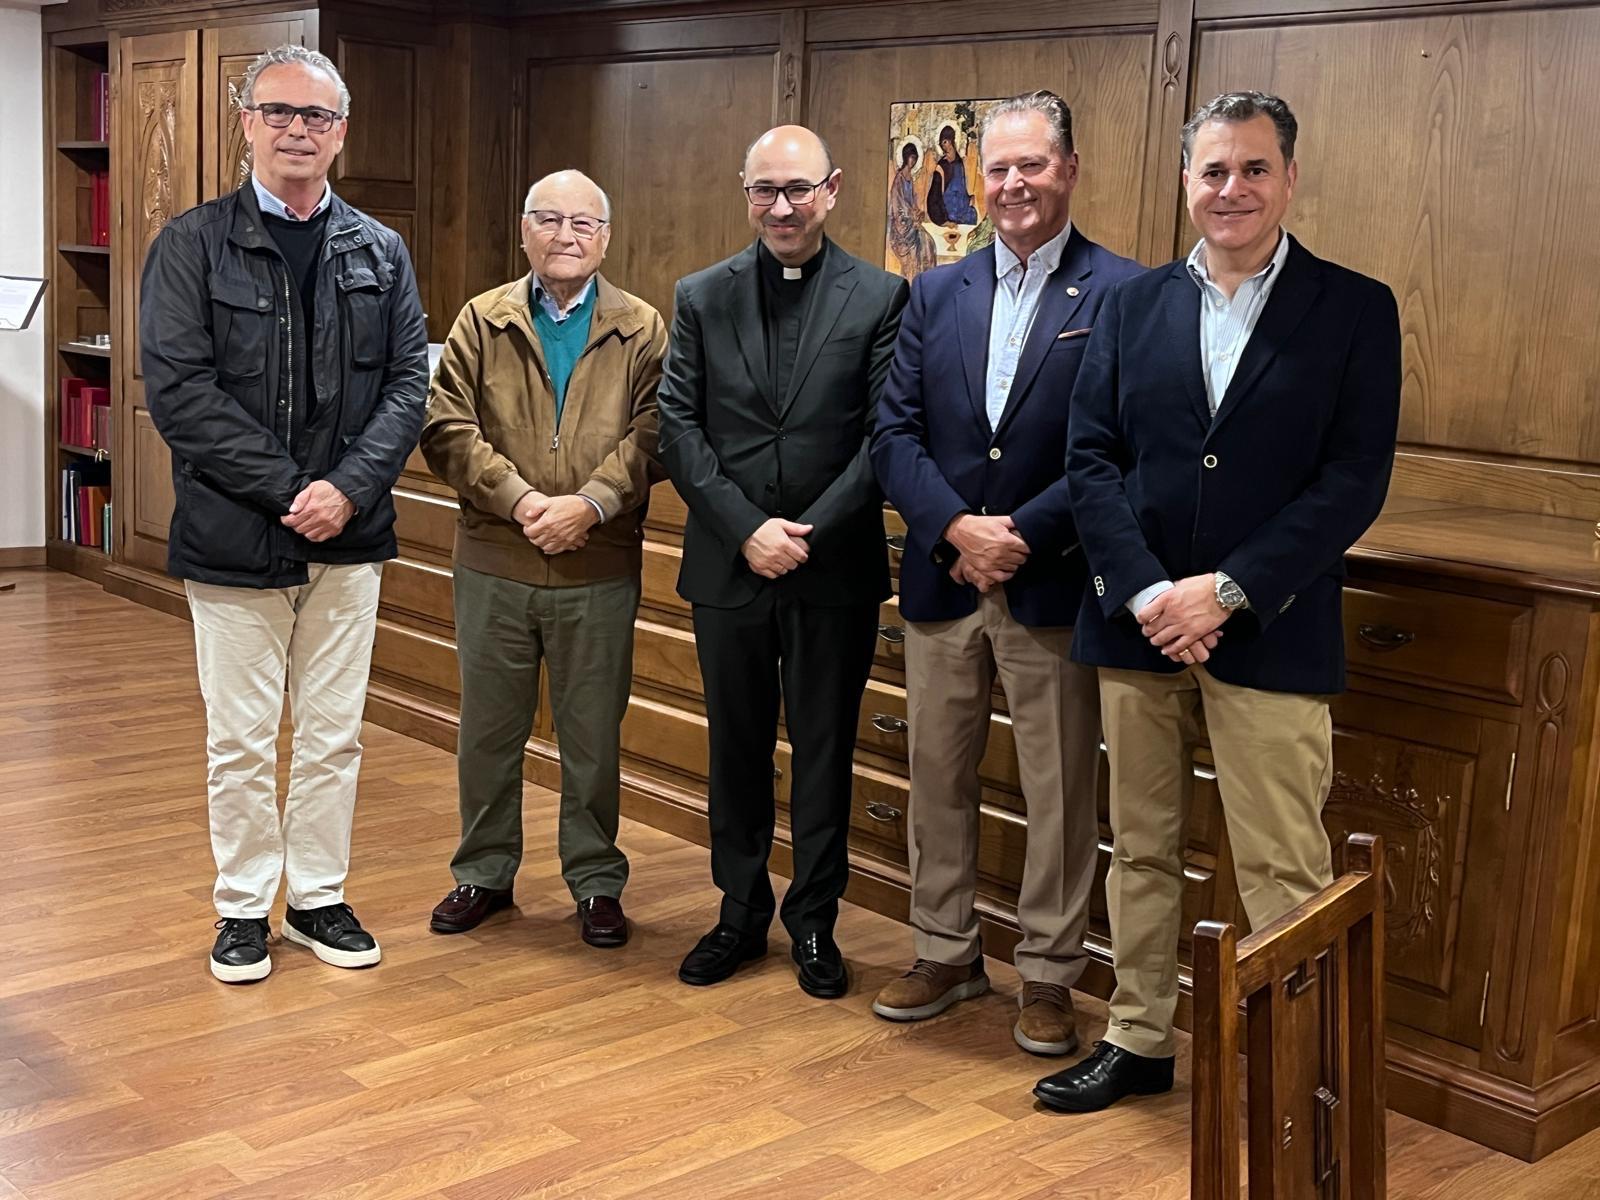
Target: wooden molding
(22, 556)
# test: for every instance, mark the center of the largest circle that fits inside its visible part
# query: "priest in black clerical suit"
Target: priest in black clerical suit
(771, 379)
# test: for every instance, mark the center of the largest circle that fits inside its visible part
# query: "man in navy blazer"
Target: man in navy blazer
(1232, 434)
(969, 445)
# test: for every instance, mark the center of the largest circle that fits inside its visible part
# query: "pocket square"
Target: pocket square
(1072, 333)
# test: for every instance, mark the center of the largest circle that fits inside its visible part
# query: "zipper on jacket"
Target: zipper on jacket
(288, 314)
(555, 441)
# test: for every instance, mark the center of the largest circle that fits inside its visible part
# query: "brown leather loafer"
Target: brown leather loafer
(603, 922)
(466, 907)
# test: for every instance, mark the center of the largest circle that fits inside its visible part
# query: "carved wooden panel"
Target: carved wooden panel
(1433, 783)
(1105, 78)
(1474, 197)
(226, 53)
(381, 144)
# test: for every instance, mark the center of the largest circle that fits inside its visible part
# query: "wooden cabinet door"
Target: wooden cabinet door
(155, 177)
(225, 55)
(1434, 783)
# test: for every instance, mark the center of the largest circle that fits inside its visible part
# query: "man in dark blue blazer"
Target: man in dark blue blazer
(970, 439)
(1233, 430)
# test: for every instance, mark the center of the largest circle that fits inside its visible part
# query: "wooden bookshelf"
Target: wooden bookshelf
(79, 302)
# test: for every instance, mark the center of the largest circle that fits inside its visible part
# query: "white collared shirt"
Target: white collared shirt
(1226, 324)
(1016, 303)
(271, 204)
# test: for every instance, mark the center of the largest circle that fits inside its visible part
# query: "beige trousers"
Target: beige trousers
(1274, 755)
(248, 642)
(1055, 717)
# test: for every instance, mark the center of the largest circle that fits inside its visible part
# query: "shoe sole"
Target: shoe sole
(1067, 1106)
(1045, 1049)
(334, 958)
(605, 941)
(446, 926)
(966, 990)
(708, 980)
(246, 973)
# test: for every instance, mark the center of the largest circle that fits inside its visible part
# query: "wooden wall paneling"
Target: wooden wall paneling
(225, 54)
(666, 139)
(156, 176)
(1468, 182)
(672, 38)
(902, 24)
(788, 80)
(1161, 205)
(1104, 76)
(476, 196)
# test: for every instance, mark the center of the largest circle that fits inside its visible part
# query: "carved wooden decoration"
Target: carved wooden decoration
(236, 152)
(158, 108)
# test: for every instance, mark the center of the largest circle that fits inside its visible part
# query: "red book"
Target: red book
(71, 387)
(89, 399)
(102, 209)
(102, 426)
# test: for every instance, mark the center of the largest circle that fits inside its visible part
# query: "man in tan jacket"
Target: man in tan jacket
(542, 417)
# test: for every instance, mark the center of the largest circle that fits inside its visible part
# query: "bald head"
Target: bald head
(791, 142)
(569, 192)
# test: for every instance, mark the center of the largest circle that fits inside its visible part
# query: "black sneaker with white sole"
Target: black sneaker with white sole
(333, 934)
(239, 955)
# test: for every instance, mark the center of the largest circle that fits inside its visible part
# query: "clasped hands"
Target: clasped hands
(555, 524)
(320, 511)
(776, 547)
(991, 550)
(1185, 621)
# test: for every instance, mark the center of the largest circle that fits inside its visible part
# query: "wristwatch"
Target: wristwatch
(1229, 594)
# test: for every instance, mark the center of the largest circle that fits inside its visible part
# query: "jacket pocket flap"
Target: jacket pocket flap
(359, 279)
(239, 291)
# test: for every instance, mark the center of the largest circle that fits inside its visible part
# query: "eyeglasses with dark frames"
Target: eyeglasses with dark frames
(764, 195)
(549, 223)
(281, 116)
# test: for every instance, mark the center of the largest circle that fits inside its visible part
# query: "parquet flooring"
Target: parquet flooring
(509, 1062)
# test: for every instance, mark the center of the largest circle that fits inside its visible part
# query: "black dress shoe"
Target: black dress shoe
(1105, 1077)
(719, 954)
(466, 907)
(822, 969)
(603, 922)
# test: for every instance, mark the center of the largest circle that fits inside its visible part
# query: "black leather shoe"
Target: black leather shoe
(333, 934)
(719, 954)
(822, 969)
(240, 952)
(466, 907)
(1105, 1077)
(602, 921)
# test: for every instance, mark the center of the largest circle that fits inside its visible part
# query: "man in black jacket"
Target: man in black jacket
(772, 375)
(285, 362)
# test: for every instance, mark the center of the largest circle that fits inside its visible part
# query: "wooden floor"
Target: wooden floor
(513, 1061)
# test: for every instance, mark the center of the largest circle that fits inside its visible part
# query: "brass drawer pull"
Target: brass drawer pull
(1384, 637)
(893, 634)
(885, 723)
(897, 541)
(879, 811)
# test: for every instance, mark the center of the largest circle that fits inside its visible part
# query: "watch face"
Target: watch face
(1230, 594)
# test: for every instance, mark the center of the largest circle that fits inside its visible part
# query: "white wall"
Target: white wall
(22, 252)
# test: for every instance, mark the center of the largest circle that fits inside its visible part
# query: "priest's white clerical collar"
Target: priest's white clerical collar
(793, 273)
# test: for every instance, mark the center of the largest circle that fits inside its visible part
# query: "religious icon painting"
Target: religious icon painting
(935, 193)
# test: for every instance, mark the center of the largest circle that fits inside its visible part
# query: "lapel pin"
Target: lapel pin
(1072, 291)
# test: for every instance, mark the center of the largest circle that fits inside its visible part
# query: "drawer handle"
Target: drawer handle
(1384, 637)
(886, 723)
(893, 634)
(897, 541)
(777, 772)
(879, 811)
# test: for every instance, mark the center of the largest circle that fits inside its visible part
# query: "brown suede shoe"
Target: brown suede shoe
(929, 988)
(466, 906)
(1048, 1023)
(603, 922)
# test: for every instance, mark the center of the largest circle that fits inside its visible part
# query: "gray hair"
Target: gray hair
(1244, 106)
(1044, 102)
(605, 200)
(283, 56)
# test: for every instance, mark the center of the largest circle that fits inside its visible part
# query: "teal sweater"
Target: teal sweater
(563, 342)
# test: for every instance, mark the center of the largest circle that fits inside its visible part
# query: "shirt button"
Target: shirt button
(1210, 460)
(994, 452)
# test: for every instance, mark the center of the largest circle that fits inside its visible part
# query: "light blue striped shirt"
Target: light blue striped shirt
(271, 204)
(1016, 302)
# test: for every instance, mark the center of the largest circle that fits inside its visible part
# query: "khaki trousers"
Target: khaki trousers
(1055, 717)
(248, 641)
(1274, 756)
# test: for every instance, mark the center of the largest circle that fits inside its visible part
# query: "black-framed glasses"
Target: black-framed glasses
(549, 222)
(281, 116)
(763, 195)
